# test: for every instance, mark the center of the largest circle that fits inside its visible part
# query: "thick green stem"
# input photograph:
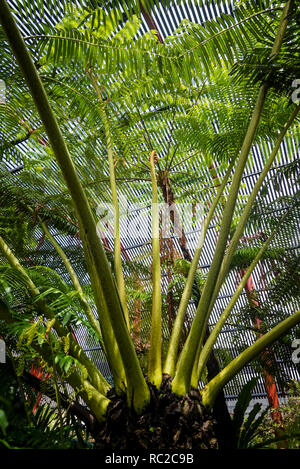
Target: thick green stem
(243, 219)
(117, 242)
(76, 351)
(207, 348)
(211, 390)
(154, 359)
(231, 249)
(171, 357)
(141, 396)
(96, 401)
(112, 350)
(182, 379)
(181, 382)
(194, 375)
(113, 186)
(86, 307)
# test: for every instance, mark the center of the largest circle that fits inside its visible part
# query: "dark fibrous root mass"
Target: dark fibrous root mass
(168, 423)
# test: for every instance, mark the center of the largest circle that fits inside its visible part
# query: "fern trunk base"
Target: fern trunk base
(168, 423)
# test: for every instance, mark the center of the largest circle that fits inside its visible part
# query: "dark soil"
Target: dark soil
(170, 422)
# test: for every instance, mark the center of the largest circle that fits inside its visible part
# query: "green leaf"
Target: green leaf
(242, 405)
(3, 421)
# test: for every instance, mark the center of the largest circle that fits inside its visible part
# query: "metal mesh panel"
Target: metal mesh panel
(167, 21)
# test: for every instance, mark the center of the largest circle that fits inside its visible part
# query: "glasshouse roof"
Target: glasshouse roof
(196, 132)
